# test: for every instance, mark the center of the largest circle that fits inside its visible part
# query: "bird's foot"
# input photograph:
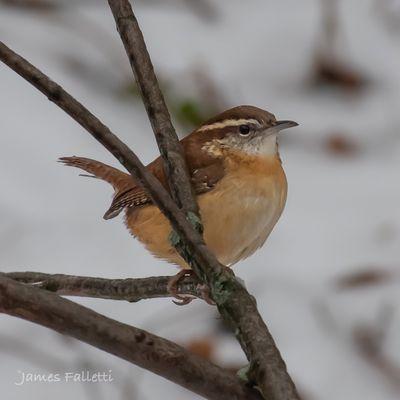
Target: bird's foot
(186, 299)
(172, 287)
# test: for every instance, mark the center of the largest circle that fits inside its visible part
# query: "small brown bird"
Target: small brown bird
(237, 174)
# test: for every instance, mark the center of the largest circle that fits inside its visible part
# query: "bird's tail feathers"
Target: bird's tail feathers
(120, 181)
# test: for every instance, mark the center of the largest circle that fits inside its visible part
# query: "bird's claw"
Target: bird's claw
(172, 287)
(182, 300)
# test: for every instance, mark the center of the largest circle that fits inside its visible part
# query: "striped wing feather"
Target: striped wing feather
(128, 194)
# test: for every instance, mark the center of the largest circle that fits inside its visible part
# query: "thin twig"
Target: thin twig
(131, 290)
(137, 346)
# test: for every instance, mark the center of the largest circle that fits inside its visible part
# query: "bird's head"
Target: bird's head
(244, 129)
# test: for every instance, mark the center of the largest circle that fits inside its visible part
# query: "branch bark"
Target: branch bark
(131, 290)
(236, 305)
(135, 345)
(153, 99)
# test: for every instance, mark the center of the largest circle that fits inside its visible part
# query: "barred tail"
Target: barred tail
(120, 181)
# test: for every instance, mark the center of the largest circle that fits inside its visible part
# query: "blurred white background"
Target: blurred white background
(327, 281)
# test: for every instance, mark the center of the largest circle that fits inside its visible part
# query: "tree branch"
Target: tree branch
(131, 290)
(135, 345)
(171, 150)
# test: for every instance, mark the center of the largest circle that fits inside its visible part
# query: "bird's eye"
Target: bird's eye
(244, 130)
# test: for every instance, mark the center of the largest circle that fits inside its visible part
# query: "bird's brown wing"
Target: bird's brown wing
(203, 179)
(204, 176)
(134, 197)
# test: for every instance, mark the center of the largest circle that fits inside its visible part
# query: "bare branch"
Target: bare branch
(168, 142)
(131, 290)
(137, 346)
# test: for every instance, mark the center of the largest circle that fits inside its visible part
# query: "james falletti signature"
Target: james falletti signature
(84, 376)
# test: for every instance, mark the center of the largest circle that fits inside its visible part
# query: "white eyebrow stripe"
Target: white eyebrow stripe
(228, 122)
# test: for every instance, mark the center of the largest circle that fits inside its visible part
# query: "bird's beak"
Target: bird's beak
(278, 126)
(281, 125)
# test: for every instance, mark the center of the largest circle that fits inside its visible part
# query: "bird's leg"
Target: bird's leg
(172, 287)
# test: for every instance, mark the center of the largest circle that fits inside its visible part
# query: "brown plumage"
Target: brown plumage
(237, 176)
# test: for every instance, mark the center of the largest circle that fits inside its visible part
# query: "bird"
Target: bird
(236, 173)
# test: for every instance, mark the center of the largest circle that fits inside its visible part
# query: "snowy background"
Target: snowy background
(327, 281)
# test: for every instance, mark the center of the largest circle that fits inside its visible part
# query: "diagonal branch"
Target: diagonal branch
(168, 142)
(131, 290)
(135, 345)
